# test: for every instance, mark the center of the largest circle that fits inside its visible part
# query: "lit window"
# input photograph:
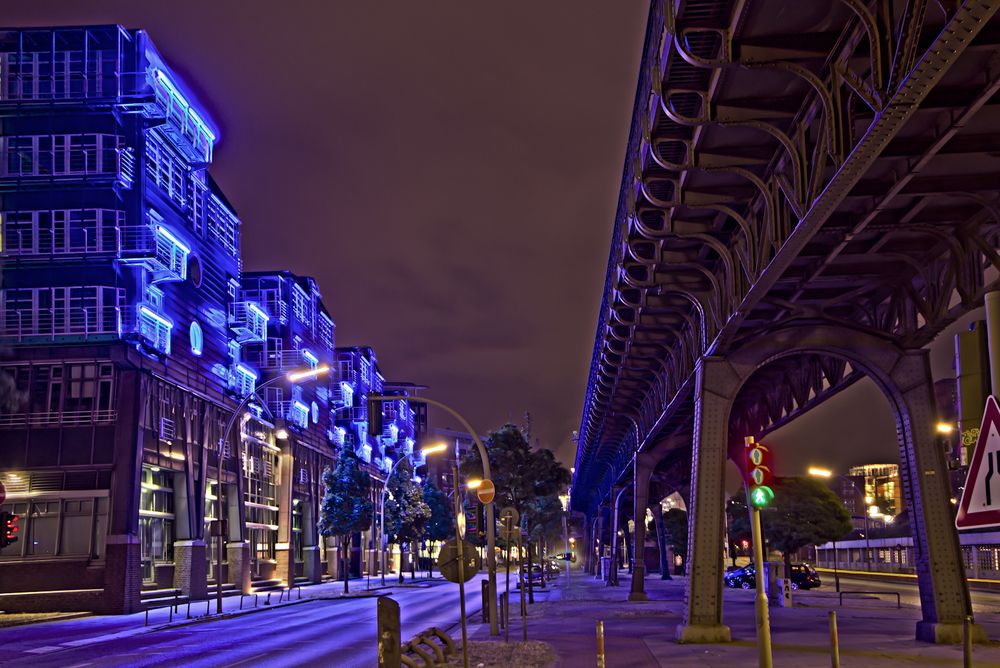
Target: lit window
(298, 413)
(197, 338)
(315, 413)
(246, 380)
(309, 358)
(155, 328)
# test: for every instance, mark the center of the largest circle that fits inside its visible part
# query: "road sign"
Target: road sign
(510, 514)
(447, 561)
(486, 491)
(980, 505)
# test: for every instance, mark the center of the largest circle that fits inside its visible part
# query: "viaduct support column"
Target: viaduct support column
(715, 385)
(944, 592)
(643, 469)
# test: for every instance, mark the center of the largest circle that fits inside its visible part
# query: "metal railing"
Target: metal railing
(50, 324)
(871, 593)
(57, 418)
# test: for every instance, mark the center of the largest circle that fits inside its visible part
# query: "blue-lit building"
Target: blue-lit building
(133, 335)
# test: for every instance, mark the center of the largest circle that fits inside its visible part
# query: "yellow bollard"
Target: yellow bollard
(967, 642)
(600, 644)
(834, 641)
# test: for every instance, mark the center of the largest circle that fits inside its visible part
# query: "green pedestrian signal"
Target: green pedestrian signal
(761, 496)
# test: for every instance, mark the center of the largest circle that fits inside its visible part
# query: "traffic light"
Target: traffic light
(8, 522)
(759, 474)
(374, 417)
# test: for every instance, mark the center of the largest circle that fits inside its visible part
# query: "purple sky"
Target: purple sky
(447, 171)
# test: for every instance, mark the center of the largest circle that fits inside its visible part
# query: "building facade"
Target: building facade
(132, 335)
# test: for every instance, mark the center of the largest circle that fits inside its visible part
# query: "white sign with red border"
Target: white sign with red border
(980, 504)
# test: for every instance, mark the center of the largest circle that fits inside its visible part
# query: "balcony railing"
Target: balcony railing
(248, 321)
(115, 165)
(37, 325)
(186, 129)
(278, 359)
(65, 418)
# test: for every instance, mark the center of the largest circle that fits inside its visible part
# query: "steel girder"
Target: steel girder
(828, 165)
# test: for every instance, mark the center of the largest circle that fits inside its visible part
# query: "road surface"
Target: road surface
(336, 631)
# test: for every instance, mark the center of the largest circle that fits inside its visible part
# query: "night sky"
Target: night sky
(447, 171)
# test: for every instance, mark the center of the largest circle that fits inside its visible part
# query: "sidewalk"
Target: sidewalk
(873, 632)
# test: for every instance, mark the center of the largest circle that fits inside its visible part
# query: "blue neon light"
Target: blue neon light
(309, 356)
(177, 242)
(258, 310)
(197, 338)
(156, 316)
(246, 371)
(169, 85)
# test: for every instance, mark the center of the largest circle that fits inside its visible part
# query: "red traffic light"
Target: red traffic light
(10, 528)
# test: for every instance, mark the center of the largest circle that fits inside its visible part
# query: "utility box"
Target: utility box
(785, 592)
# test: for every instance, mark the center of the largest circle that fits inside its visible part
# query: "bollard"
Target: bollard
(486, 601)
(389, 641)
(834, 641)
(600, 644)
(189, 610)
(171, 620)
(208, 607)
(967, 642)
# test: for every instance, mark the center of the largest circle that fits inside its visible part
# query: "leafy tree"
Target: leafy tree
(439, 522)
(545, 519)
(675, 524)
(347, 505)
(406, 512)
(804, 512)
(738, 516)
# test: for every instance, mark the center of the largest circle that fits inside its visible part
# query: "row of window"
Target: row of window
(69, 527)
(60, 155)
(66, 387)
(60, 231)
(58, 75)
(49, 312)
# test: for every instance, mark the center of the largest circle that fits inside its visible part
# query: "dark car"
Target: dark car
(537, 576)
(804, 576)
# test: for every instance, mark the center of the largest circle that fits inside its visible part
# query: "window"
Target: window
(197, 338)
(315, 412)
(57, 75)
(223, 226)
(165, 169)
(299, 305)
(61, 155)
(171, 253)
(156, 520)
(155, 328)
(47, 313)
(298, 413)
(59, 527)
(60, 231)
(325, 331)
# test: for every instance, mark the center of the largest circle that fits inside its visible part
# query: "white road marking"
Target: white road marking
(43, 650)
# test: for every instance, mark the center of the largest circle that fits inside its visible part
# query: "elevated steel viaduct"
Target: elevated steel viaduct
(811, 193)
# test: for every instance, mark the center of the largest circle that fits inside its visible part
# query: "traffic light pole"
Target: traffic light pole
(762, 617)
(491, 553)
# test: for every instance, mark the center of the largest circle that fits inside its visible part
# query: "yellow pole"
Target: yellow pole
(461, 570)
(600, 644)
(760, 603)
(834, 641)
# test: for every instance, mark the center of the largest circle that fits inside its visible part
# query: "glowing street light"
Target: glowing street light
(281, 434)
(818, 472)
(944, 428)
(475, 483)
(306, 374)
(433, 449)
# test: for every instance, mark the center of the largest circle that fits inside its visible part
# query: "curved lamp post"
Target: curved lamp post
(429, 450)
(817, 472)
(291, 377)
(491, 557)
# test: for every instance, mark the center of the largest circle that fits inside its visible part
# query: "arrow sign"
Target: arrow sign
(980, 505)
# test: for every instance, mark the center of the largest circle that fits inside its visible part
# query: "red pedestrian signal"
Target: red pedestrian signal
(759, 473)
(8, 522)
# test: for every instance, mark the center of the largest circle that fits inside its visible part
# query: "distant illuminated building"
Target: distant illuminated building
(873, 491)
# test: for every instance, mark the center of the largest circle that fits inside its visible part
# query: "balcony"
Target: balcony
(156, 248)
(71, 159)
(185, 128)
(59, 325)
(152, 328)
(248, 321)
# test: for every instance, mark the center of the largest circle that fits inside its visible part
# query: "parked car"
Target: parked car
(553, 568)
(537, 576)
(804, 576)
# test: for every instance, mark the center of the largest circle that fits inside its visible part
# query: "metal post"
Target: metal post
(524, 608)
(600, 644)
(760, 603)
(461, 576)
(836, 573)
(967, 638)
(834, 641)
(993, 338)
(507, 528)
(868, 544)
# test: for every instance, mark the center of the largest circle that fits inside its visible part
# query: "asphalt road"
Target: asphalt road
(982, 600)
(327, 632)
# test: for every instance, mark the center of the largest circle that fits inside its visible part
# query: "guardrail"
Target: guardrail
(872, 593)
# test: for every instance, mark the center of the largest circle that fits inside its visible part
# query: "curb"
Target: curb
(58, 618)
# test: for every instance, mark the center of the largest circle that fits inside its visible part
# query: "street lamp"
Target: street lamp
(564, 500)
(826, 473)
(475, 483)
(429, 450)
(292, 377)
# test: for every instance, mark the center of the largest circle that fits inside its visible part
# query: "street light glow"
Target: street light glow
(281, 434)
(433, 449)
(475, 483)
(945, 428)
(819, 472)
(307, 374)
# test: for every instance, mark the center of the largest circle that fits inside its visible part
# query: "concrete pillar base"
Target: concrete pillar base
(313, 567)
(702, 634)
(122, 575)
(637, 596)
(238, 556)
(285, 568)
(191, 568)
(942, 633)
(638, 592)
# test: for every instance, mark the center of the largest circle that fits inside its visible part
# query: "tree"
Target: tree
(521, 475)
(545, 519)
(439, 523)
(804, 512)
(675, 524)
(406, 512)
(738, 523)
(347, 504)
